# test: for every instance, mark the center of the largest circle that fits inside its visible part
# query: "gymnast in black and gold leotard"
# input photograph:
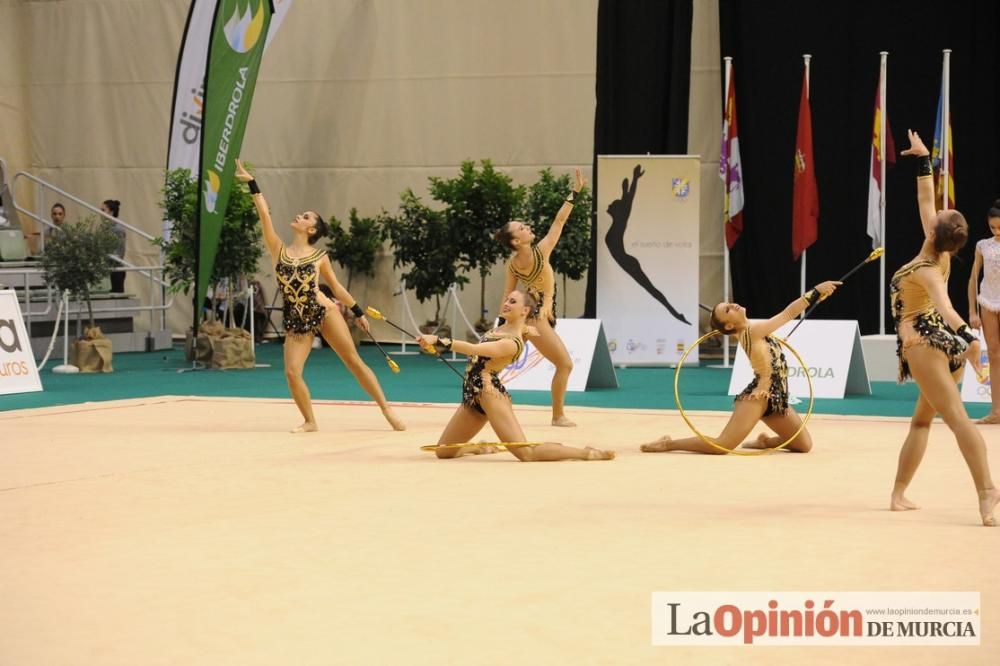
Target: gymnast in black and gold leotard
(529, 264)
(483, 372)
(933, 343)
(484, 398)
(766, 397)
(307, 312)
(299, 282)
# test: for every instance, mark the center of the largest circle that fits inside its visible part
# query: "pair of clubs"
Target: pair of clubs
(375, 314)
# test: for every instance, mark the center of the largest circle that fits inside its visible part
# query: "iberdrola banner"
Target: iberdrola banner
(234, 54)
(187, 111)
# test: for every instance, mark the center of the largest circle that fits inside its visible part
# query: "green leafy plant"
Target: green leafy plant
(240, 247)
(78, 257)
(477, 203)
(424, 243)
(571, 257)
(356, 247)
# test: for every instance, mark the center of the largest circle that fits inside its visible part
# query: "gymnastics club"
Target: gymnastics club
(375, 314)
(876, 253)
(392, 364)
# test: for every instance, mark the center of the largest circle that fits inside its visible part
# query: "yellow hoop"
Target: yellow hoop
(708, 440)
(499, 445)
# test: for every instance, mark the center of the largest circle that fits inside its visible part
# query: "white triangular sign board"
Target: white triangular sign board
(832, 352)
(587, 346)
(18, 373)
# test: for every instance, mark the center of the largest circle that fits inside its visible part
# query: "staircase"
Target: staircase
(115, 314)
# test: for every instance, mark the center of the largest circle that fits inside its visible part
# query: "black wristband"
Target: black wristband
(252, 184)
(966, 333)
(811, 296)
(356, 309)
(446, 343)
(572, 197)
(924, 166)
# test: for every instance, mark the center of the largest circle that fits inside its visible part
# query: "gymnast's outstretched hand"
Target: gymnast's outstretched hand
(917, 147)
(827, 288)
(241, 173)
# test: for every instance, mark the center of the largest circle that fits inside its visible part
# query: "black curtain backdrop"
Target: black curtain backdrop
(766, 41)
(643, 79)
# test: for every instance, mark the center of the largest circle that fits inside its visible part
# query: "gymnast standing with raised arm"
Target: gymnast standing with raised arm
(530, 265)
(484, 398)
(932, 343)
(298, 269)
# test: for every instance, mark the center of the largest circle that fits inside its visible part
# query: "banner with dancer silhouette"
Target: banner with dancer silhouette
(647, 256)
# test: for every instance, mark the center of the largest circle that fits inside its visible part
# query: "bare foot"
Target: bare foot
(563, 422)
(598, 454)
(307, 426)
(900, 503)
(658, 446)
(987, 502)
(762, 442)
(990, 419)
(480, 449)
(390, 416)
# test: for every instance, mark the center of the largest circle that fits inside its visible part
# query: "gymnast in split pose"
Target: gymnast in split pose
(766, 397)
(484, 398)
(307, 311)
(932, 343)
(984, 303)
(530, 264)
(620, 210)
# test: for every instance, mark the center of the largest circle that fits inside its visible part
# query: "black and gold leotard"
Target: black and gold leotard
(770, 374)
(299, 282)
(540, 282)
(917, 320)
(483, 369)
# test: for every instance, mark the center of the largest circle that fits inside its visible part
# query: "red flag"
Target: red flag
(876, 188)
(805, 197)
(730, 168)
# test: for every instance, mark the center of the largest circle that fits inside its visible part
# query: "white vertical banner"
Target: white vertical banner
(18, 373)
(647, 256)
(189, 93)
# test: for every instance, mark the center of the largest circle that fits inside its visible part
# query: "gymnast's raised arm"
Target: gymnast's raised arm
(547, 244)
(925, 183)
(794, 309)
(271, 240)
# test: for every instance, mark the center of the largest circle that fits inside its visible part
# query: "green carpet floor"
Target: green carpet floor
(421, 380)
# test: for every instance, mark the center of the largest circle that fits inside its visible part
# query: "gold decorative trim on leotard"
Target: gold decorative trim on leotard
(297, 286)
(746, 341)
(537, 266)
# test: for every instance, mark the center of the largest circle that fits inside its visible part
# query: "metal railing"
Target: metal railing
(153, 273)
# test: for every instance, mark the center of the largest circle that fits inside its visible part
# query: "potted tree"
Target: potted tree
(77, 259)
(355, 249)
(477, 203)
(237, 258)
(571, 258)
(424, 243)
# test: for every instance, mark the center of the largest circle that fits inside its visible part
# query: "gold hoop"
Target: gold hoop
(709, 440)
(499, 445)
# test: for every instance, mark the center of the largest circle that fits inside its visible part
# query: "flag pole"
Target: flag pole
(802, 279)
(881, 206)
(725, 246)
(945, 124)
